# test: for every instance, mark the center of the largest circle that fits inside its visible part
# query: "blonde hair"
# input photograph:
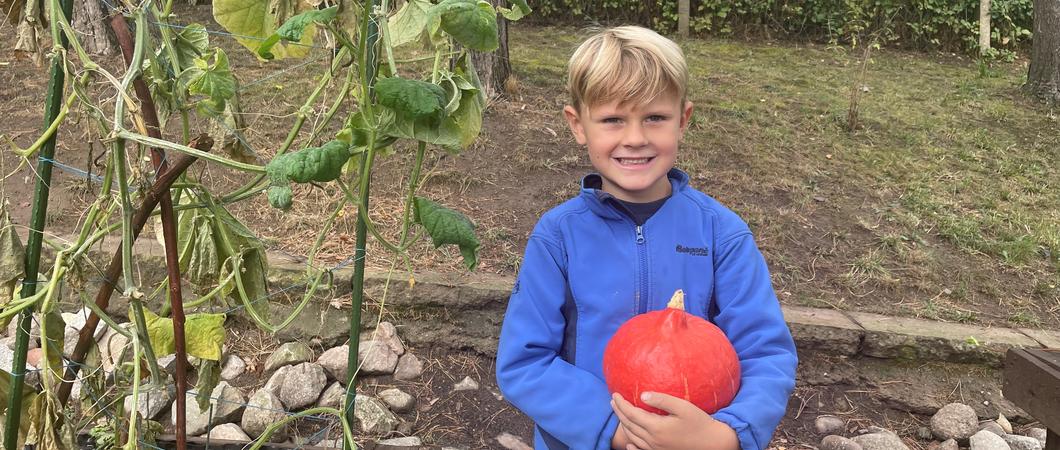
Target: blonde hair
(628, 64)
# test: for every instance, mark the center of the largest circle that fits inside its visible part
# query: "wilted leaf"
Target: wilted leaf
(255, 20)
(468, 116)
(411, 99)
(410, 22)
(12, 257)
(191, 43)
(448, 227)
(209, 376)
(204, 334)
(248, 248)
(472, 23)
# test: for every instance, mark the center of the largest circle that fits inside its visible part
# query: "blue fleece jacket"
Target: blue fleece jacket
(589, 268)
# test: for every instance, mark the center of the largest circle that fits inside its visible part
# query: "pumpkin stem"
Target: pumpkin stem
(677, 301)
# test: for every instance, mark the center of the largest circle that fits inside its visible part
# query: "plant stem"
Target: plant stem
(414, 180)
(38, 214)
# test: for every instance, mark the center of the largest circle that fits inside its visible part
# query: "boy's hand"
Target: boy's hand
(687, 426)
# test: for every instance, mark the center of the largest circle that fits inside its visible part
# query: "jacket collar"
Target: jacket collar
(602, 203)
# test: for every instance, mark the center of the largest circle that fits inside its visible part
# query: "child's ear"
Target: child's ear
(575, 123)
(686, 116)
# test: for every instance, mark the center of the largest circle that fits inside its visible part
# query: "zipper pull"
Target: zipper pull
(640, 234)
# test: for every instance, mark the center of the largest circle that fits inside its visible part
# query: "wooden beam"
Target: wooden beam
(1032, 382)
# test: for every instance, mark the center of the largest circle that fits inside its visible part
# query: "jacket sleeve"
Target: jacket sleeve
(570, 404)
(749, 314)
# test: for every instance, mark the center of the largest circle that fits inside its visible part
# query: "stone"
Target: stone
(7, 359)
(263, 409)
(317, 320)
(289, 353)
(985, 440)
(335, 362)
(34, 331)
(33, 357)
(78, 320)
(511, 442)
(1017, 442)
(407, 441)
(113, 349)
(70, 338)
(880, 441)
(954, 421)
(168, 364)
(399, 401)
(234, 366)
(467, 384)
(330, 443)
(993, 427)
(928, 340)
(302, 385)
(276, 380)
(334, 396)
(1005, 424)
(386, 332)
(829, 425)
(835, 442)
(227, 406)
(228, 432)
(823, 330)
(409, 367)
(949, 444)
(152, 400)
(1037, 433)
(374, 416)
(924, 433)
(376, 358)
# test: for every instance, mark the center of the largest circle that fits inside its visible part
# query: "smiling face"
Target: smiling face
(632, 146)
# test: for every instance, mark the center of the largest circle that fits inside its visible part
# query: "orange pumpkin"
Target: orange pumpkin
(673, 352)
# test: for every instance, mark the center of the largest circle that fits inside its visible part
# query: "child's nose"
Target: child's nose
(634, 136)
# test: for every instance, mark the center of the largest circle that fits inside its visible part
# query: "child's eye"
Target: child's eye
(657, 118)
(612, 120)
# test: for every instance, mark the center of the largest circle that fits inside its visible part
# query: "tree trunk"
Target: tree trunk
(1043, 77)
(90, 22)
(984, 27)
(682, 18)
(494, 68)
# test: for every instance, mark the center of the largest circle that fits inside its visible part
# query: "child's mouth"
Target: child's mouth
(634, 161)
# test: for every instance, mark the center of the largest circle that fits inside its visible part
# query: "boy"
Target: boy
(636, 233)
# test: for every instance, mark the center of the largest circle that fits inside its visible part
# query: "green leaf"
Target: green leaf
(215, 81)
(472, 23)
(247, 247)
(468, 117)
(209, 376)
(520, 10)
(448, 227)
(12, 257)
(252, 21)
(193, 42)
(411, 99)
(203, 263)
(445, 134)
(294, 28)
(409, 24)
(204, 335)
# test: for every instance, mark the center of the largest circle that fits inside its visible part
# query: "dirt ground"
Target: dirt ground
(523, 164)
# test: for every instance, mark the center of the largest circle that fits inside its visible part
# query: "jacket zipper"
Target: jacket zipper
(642, 254)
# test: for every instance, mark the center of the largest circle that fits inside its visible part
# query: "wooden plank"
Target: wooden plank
(1034, 385)
(1051, 356)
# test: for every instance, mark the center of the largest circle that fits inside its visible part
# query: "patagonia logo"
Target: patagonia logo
(694, 251)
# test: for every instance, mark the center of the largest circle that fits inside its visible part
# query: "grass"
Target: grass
(952, 171)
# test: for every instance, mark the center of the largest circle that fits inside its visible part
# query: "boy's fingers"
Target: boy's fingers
(666, 402)
(633, 430)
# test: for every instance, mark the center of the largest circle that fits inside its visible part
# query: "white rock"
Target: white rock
(1016, 442)
(467, 384)
(276, 380)
(949, 444)
(289, 353)
(880, 441)
(376, 358)
(829, 425)
(374, 416)
(1005, 424)
(985, 440)
(79, 319)
(511, 442)
(1037, 433)
(227, 406)
(407, 441)
(954, 421)
(234, 366)
(34, 333)
(386, 332)
(835, 442)
(263, 409)
(334, 396)
(409, 367)
(399, 401)
(302, 385)
(992, 427)
(330, 443)
(168, 364)
(335, 362)
(228, 432)
(152, 400)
